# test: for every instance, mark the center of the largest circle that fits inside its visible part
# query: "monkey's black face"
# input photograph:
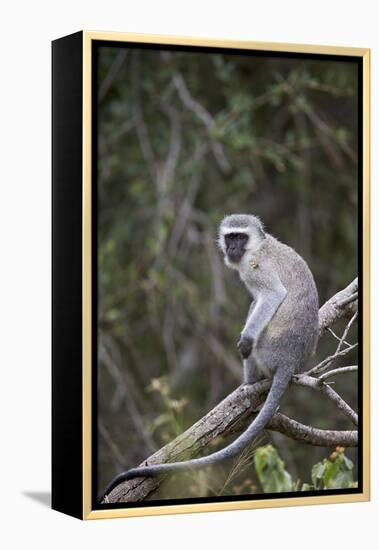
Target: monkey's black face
(235, 244)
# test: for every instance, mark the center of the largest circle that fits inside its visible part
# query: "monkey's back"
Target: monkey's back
(291, 335)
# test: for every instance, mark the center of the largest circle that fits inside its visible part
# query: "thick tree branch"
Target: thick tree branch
(312, 436)
(341, 304)
(236, 409)
(224, 419)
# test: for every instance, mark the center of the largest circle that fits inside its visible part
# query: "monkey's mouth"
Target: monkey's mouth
(235, 255)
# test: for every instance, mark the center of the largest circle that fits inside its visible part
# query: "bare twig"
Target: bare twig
(315, 384)
(346, 331)
(335, 372)
(191, 103)
(328, 132)
(201, 112)
(324, 365)
(338, 338)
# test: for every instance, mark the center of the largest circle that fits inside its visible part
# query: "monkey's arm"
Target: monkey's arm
(267, 302)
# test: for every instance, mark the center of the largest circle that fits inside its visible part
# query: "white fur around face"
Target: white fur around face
(227, 230)
(255, 241)
(230, 264)
(253, 229)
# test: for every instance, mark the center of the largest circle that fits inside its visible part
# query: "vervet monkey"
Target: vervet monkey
(280, 333)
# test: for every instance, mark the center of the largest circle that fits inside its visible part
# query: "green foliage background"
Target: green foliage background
(183, 139)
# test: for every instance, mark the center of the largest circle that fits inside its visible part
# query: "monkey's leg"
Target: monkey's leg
(251, 375)
(251, 372)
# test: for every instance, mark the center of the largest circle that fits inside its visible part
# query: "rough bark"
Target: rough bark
(340, 305)
(313, 436)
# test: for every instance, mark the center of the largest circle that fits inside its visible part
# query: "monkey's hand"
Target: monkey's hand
(245, 346)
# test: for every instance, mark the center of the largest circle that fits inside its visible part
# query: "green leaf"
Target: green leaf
(271, 473)
(333, 473)
(318, 472)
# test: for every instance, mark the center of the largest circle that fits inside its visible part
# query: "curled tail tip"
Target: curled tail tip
(125, 476)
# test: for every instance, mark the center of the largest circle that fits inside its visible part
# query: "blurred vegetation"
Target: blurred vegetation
(334, 472)
(183, 139)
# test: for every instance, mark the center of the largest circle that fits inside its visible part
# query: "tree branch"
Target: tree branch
(312, 436)
(341, 304)
(205, 117)
(320, 386)
(325, 364)
(335, 372)
(236, 409)
(224, 419)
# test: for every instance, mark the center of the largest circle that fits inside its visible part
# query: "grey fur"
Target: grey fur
(280, 333)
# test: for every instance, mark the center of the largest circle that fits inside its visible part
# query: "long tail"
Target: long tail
(278, 387)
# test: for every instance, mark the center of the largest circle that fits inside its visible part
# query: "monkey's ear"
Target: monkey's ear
(260, 226)
(261, 232)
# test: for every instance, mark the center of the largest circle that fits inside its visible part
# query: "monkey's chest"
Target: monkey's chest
(253, 278)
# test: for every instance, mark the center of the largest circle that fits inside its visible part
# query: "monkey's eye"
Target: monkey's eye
(239, 236)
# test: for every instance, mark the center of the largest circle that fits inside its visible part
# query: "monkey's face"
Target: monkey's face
(235, 246)
(239, 234)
